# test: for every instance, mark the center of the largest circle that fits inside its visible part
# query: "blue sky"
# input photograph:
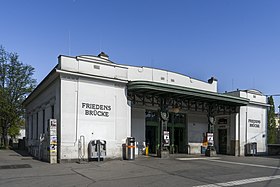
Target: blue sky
(236, 41)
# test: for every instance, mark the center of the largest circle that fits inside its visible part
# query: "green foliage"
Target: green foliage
(14, 130)
(16, 83)
(271, 124)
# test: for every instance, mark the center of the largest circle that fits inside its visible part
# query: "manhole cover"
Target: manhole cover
(15, 166)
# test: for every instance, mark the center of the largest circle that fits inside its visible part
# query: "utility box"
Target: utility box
(130, 148)
(251, 149)
(97, 150)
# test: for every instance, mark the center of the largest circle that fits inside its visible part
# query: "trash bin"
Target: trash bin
(251, 149)
(130, 148)
(203, 150)
(97, 150)
(124, 151)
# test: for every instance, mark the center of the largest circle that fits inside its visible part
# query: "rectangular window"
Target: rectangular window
(44, 121)
(96, 67)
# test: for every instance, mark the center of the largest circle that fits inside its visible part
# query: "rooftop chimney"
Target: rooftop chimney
(103, 55)
(212, 79)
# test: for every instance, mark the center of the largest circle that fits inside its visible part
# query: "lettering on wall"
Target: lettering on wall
(93, 109)
(254, 123)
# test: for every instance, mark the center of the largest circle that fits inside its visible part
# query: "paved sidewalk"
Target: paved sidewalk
(19, 169)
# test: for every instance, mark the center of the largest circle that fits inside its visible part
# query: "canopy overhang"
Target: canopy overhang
(146, 89)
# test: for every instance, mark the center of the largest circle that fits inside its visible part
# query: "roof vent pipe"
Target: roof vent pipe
(212, 79)
(103, 55)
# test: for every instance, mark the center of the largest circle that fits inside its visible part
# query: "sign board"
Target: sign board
(254, 123)
(94, 109)
(210, 139)
(52, 140)
(166, 140)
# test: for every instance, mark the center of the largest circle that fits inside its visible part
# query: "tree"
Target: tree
(16, 83)
(271, 124)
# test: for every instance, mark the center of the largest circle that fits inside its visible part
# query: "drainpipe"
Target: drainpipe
(239, 147)
(77, 104)
(246, 135)
(246, 119)
(77, 110)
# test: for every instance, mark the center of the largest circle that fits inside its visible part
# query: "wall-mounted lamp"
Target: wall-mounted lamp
(175, 110)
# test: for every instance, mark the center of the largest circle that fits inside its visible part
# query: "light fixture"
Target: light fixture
(175, 109)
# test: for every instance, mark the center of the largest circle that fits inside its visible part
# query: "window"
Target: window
(96, 67)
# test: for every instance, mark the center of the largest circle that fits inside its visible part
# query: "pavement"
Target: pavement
(17, 168)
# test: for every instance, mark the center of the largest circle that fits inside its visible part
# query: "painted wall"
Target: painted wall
(197, 125)
(34, 117)
(253, 127)
(91, 65)
(253, 120)
(167, 77)
(138, 120)
(95, 109)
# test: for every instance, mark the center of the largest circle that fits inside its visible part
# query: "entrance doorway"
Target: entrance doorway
(177, 126)
(222, 133)
(177, 132)
(151, 138)
(179, 140)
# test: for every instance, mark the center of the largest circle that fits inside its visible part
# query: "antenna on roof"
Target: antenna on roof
(69, 43)
(100, 43)
(152, 62)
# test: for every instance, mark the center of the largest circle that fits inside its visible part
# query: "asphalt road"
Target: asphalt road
(22, 170)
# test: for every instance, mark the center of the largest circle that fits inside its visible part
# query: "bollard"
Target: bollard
(147, 150)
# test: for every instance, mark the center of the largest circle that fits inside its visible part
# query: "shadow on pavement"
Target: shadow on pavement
(23, 153)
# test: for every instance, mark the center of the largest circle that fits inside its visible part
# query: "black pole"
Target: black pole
(164, 116)
(98, 150)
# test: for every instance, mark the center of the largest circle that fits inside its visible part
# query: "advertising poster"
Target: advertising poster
(53, 148)
(53, 140)
(166, 141)
(210, 139)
